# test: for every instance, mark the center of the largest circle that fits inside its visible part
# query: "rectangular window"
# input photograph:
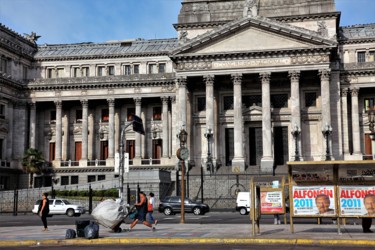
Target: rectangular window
(279, 101)
(85, 71)
(201, 102)
(111, 70)
(361, 56)
(228, 102)
(101, 71)
(64, 180)
(371, 56)
(252, 100)
(105, 115)
(2, 111)
(156, 115)
(24, 73)
(76, 72)
(136, 68)
(91, 178)
(369, 103)
(130, 112)
(1, 148)
(152, 68)
(4, 65)
(101, 177)
(74, 179)
(161, 67)
(78, 115)
(310, 99)
(51, 73)
(127, 70)
(60, 72)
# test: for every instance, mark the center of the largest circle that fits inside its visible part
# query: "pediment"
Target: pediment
(253, 34)
(252, 110)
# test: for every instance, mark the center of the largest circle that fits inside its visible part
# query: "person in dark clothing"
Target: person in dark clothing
(142, 212)
(43, 210)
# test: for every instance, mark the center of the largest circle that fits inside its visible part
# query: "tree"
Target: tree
(33, 163)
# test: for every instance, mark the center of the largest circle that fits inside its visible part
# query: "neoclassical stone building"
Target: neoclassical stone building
(265, 76)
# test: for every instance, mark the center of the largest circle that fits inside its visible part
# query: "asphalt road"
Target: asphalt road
(8, 220)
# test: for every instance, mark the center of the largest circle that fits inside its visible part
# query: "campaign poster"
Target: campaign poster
(271, 202)
(357, 200)
(314, 201)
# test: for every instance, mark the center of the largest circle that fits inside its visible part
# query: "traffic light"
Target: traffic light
(138, 125)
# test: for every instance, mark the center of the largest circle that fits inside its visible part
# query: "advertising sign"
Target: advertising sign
(271, 202)
(357, 200)
(314, 201)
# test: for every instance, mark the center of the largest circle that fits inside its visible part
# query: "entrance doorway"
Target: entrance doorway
(280, 142)
(256, 146)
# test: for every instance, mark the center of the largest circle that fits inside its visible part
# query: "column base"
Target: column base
(137, 161)
(110, 162)
(266, 165)
(56, 163)
(238, 165)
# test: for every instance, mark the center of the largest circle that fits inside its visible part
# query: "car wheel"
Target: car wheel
(197, 210)
(168, 211)
(70, 212)
(243, 211)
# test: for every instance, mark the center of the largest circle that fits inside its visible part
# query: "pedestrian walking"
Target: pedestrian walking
(150, 209)
(142, 212)
(43, 210)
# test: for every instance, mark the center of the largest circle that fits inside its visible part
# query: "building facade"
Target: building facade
(273, 81)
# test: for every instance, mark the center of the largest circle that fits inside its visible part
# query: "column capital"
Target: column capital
(32, 105)
(354, 92)
(209, 80)
(164, 100)
(344, 92)
(173, 99)
(137, 100)
(324, 74)
(294, 75)
(111, 102)
(85, 103)
(236, 78)
(265, 77)
(181, 81)
(58, 103)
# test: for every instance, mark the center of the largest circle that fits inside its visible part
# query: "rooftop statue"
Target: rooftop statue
(33, 37)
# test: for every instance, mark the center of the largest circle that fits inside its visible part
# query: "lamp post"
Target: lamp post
(182, 154)
(295, 133)
(327, 131)
(371, 120)
(209, 164)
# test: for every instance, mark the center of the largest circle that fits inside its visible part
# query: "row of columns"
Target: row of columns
(267, 160)
(112, 127)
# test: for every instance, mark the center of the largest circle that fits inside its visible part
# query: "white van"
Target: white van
(243, 202)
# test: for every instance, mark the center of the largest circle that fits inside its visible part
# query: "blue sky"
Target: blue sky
(75, 21)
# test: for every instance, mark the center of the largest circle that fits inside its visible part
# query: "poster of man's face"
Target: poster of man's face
(322, 203)
(369, 202)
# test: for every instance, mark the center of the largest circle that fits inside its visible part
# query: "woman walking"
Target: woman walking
(43, 210)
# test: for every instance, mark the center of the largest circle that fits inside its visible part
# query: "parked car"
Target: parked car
(172, 204)
(59, 206)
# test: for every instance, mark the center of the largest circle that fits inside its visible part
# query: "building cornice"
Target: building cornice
(299, 18)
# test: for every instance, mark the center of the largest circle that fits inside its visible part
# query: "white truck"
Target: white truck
(60, 206)
(243, 202)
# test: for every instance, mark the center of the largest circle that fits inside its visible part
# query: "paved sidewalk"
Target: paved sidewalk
(193, 233)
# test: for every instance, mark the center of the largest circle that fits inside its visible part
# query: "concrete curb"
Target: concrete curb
(176, 241)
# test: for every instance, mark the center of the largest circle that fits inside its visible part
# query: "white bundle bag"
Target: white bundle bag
(109, 213)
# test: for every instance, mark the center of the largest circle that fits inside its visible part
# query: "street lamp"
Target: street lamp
(295, 133)
(182, 154)
(327, 131)
(209, 165)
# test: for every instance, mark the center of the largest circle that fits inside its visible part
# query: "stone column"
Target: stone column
(182, 91)
(111, 129)
(9, 141)
(138, 102)
(238, 162)
(326, 106)
(32, 143)
(58, 133)
(117, 132)
(355, 125)
(85, 116)
(65, 150)
(91, 137)
(174, 140)
(345, 128)
(267, 161)
(296, 106)
(164, 101)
